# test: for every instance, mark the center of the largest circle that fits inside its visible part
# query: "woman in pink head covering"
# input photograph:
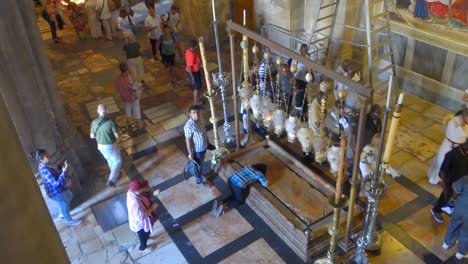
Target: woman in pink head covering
(141, 211)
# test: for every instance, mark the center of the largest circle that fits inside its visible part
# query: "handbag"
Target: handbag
(147, 203)
(137, 87)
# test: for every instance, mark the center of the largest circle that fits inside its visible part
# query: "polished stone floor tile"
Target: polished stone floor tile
(258, 252)
(209, 233)
(138, 144)
(187, 196)
(167, 135)
(436, 113)
(395, 197)
(414, 169)
(154, 130)
(422, 227)
(411, 141)
(166, 254)
(399, 158)
(394, 252)
(161, 165)
(174, 122)
(415, 103)
(434, 132)
(414, 120)
(435, 189)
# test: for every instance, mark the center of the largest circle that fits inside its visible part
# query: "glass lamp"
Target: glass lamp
(305, 135)
(245, 93)
(278, 121)
(291, 128)
(267, 111)
(256, 105)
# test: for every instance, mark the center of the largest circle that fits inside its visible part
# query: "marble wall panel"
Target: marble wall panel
(429, 60)
(459, 78)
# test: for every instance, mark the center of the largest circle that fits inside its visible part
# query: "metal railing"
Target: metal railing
(282, 36)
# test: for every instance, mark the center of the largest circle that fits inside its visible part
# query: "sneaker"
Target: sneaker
(214, 207)
(447, 209)
(445, 246)
(74, 222)
(143, 247)
(437, 216)
(110, 184)
(219, 211)
(460, 255)
(199, 180)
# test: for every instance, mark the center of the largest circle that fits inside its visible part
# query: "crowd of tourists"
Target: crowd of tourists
(94, 19)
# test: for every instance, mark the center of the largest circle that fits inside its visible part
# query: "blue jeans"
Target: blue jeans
(199, 157)
(458, 230)
(63, 200)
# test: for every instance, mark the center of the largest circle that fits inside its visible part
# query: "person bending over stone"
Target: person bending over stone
(239, 183)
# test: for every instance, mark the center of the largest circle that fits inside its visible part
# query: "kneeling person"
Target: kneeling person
(240, 181)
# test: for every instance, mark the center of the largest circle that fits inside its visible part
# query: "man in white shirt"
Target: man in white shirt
(104, 13)
(172, 19)
(153, 25)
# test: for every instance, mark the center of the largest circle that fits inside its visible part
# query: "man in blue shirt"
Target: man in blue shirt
(239, 183)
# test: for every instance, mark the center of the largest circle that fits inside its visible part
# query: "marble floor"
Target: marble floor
(187, 232)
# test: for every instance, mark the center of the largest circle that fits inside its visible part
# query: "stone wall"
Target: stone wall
(197, 19)
(30, 91)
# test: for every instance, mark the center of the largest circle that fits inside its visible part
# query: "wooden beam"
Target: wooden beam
(359, 88)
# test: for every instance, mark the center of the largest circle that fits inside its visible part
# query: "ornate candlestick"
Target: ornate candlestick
(234, 86)
(337, 201)
(219, 152)
(221, 80)
(374, 189)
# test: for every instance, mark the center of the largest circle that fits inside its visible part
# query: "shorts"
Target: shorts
(168, 59)
(197, 84)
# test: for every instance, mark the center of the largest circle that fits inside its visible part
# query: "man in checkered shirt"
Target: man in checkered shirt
(195, 137)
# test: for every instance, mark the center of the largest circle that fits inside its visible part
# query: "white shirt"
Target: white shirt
(151, 22)
(124, 24)
(173, 20)
(106, 13)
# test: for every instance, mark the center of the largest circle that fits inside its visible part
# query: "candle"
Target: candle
(214, 11)
(389, 92)
(400, 99)
(243, 17)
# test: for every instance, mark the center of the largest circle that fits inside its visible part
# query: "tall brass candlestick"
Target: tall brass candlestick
(392, 132)
(219, 151)
(337, 201)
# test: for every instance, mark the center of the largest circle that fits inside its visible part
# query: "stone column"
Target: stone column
(30, 92)
(27, 233)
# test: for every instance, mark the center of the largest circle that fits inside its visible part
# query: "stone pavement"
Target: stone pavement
(187, 232)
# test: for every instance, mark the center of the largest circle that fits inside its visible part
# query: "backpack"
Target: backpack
(192, 169)
(161, 41)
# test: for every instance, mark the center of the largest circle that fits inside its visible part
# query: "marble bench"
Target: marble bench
(295, 204)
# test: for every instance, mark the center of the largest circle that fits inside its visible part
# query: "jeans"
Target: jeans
(143, 237)
(199, 157)
(238, 195)
(111, 153)
(458, 230)
(63, 200)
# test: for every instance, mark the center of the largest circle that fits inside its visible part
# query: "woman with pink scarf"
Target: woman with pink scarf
(141, 211)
